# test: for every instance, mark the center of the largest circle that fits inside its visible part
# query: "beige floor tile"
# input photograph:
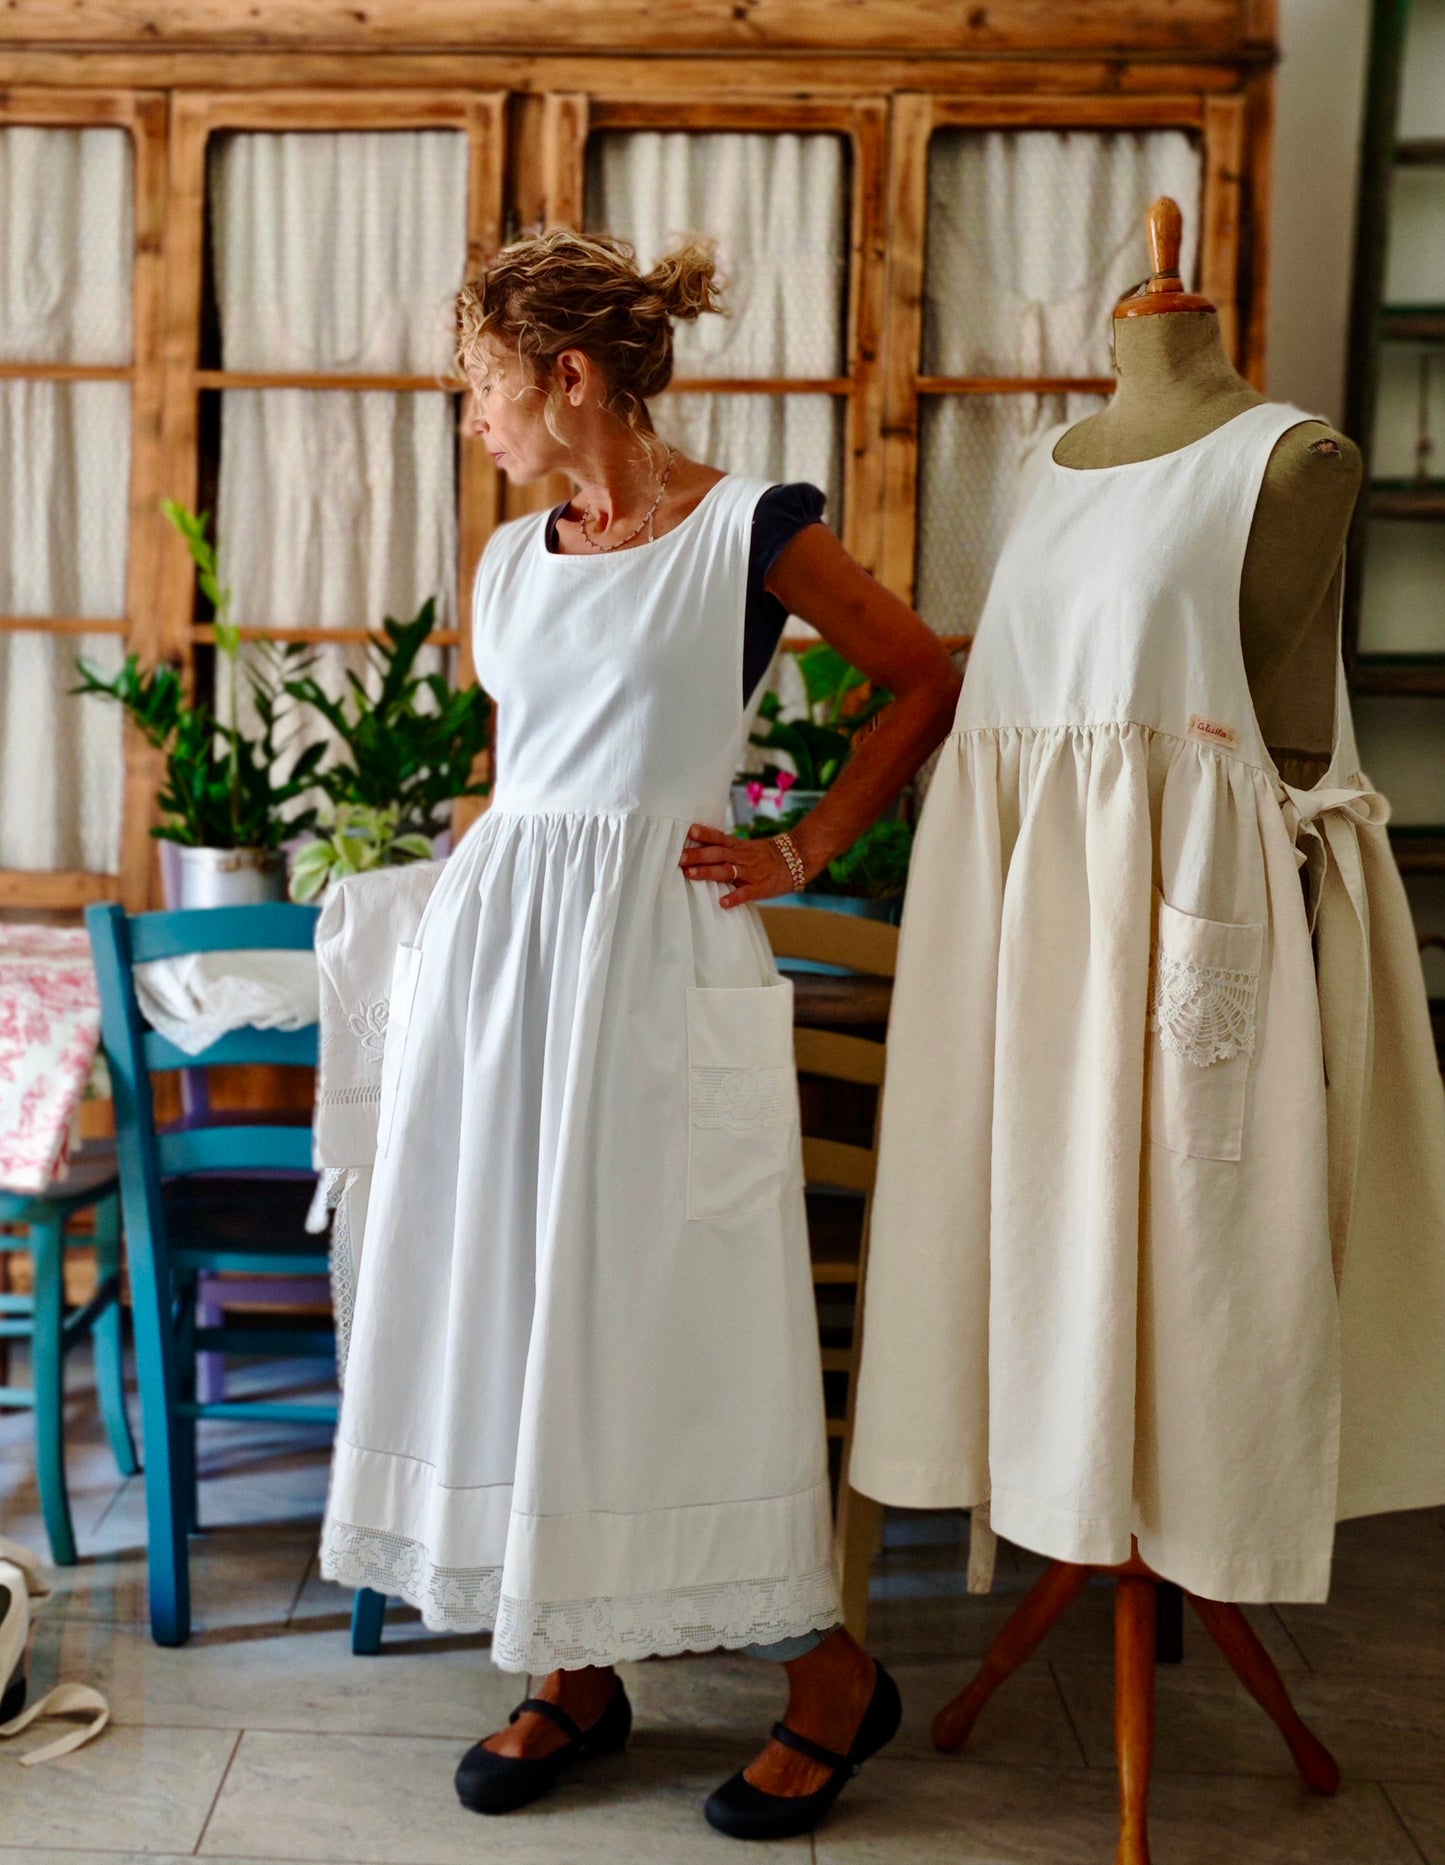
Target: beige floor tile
(1386, 1552)
(922, 1815)
(302, 1680)
(136, 1790)
(240, 1577)
(918, 1813)
(1370, 1631)
(1422, 1811)
(719, 1696)
(1206, 1723)
(369, 1798)
(1025, 1725)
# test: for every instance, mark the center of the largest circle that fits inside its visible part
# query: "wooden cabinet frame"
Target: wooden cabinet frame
(1218, 121)
(528, 84)
(568, 122)
(143, 115)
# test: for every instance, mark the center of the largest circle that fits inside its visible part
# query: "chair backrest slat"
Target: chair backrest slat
(233, 1149)
(829, 938)
(289, 1048)
(274, 926)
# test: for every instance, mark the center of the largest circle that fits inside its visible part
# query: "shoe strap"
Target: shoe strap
(550, 1710)
(815, 1750)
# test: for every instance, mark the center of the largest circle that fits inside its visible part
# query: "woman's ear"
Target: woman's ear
(574, 375)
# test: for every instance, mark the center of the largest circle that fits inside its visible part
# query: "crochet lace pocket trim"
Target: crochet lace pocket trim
(742, 1097)
(1201, 1013)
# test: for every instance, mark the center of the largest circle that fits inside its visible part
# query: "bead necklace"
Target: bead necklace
(646, 520)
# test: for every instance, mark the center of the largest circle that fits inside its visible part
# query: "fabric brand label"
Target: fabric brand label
(1212, 731)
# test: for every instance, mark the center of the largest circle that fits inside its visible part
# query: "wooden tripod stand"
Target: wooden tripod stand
(1134, 1651)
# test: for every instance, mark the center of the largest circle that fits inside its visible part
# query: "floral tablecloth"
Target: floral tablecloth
(49, 1039)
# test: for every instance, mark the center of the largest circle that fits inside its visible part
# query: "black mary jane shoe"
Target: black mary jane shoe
(743, 1811)
(491, 1783)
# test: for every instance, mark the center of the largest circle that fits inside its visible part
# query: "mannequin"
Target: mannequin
(1176, 384)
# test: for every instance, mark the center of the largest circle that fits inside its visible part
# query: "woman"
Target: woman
(583, 1404)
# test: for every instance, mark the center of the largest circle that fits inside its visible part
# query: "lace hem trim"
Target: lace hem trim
(552, 1635)
(1202, 1014)
(336, 1183)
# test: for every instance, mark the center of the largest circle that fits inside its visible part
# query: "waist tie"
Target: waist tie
(1324, 830)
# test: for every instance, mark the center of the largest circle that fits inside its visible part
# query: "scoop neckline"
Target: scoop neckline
(1125, 466)
(578, 556)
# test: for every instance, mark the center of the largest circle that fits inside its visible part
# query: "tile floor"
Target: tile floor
(265, 1739)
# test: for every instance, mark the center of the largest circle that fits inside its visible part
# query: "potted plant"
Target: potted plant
(222, 803)
(357, 839)
(413, 745)
(868, 878)
(838, 705)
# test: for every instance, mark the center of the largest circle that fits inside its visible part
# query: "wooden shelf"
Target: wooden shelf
(1419, 848)
(1421, 152)
(1407, 498)
(1412, 323)
(1399, 676)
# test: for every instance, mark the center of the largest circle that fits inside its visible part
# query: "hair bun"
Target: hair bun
(685, 282)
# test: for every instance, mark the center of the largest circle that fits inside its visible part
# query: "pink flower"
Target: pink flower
(755, 793)
(786, 780)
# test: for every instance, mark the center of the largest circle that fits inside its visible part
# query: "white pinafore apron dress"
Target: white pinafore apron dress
(1158, 1240)
(583, 1403)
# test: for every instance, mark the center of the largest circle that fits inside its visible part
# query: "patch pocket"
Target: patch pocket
(405, 970)
(1203, 989)
(742, 1085)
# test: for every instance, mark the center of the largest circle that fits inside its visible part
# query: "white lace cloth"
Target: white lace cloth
(196, 999)
(363, 922)
(531, 1635)
(1201, 1013)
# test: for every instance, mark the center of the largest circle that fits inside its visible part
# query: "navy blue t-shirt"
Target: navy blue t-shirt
(779, 515)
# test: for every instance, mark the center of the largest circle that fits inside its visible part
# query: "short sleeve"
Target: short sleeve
(779, 515)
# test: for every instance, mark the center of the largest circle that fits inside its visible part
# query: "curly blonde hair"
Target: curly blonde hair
(563, 290)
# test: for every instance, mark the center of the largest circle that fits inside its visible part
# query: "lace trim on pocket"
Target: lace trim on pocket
(742, 1097)
(1202, 1014)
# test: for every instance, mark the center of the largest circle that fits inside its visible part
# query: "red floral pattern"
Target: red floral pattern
(49, 1034)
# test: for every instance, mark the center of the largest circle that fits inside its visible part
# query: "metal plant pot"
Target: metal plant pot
(228, 877)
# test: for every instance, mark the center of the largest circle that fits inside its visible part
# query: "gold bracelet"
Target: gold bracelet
(789, 851)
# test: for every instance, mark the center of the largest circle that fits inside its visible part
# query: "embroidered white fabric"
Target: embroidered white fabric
(1203, 1014)
(549, 1635)
(742, 1097)
(334, 1186)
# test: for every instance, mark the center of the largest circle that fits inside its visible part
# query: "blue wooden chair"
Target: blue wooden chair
(223, 1197)
(41, 1318)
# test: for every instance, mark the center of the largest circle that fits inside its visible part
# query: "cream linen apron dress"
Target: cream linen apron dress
(583, 1403)
(1158, 1241)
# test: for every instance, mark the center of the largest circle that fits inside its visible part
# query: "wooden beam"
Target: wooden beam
(862, 526)
(65, 372)
(479, 488)
(353, 637)
(1220, 217)
(55, 890)
(144, 764)
(564, 158)
(324, 379)
(1200, 27)
(1256, 210)
(841, 76)
(1016, 385)
(1028, 110)
(914, 116)
(62, 625)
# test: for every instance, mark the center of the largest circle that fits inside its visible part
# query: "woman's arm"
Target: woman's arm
(881, 636)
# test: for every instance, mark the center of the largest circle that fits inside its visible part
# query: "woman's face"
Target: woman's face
(505, 410)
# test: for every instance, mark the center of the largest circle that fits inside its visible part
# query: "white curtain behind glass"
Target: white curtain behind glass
(777, 206)
(338, 252)
(1032, 237)
(66, 246)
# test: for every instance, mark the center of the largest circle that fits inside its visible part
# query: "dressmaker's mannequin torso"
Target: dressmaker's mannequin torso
(1176, 384)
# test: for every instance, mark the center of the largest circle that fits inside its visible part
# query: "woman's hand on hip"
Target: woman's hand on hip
(752, 869)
